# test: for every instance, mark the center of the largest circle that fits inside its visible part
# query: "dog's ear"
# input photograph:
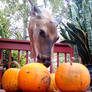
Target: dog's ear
(34, 9)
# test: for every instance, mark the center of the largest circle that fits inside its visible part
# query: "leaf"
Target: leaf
(68, 41)
(79, 32)
(63, 33)
(82, 48)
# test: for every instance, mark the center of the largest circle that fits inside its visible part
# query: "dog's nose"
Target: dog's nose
(45, 61)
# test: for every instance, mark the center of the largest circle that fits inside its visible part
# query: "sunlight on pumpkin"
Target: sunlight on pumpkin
(34, 77)
(53, 87)
(73, 77)
(10, 79)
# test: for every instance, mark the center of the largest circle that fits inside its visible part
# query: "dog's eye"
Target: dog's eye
(42, 33)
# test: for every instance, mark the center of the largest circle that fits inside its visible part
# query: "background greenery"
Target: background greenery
(75, 28)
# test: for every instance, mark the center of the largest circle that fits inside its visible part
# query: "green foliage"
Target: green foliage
(78, 38)
(22, 57)
(16, 10)
(79, 13)
(4, 25)
(58, 7)
(14, 58)
(14, 55)
(83, 17)
(5, 58)
(19, 36)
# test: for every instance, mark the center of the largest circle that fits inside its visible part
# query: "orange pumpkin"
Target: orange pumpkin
(52, 87)
(10, 79)
(73, 77)
(34, 77)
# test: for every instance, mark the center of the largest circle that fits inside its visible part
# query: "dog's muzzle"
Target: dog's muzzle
(45, 61)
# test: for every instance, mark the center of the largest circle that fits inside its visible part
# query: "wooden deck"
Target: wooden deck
(21, 45)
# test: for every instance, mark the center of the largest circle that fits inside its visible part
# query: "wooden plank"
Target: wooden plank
(1, 63)
(26, 57)
(9, 63)
(57, 59)
(14, 44)
(65, 55)
(71, 55)
(62, 49)
(1, 56)
(25, 46)
(0, 77)
(18, 56)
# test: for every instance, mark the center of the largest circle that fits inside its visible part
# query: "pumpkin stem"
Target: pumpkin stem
(70, 62)
(16, 64)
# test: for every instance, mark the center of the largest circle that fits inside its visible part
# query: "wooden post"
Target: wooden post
(9, 59)
(57, 59)
(26, 57)
(18, 56)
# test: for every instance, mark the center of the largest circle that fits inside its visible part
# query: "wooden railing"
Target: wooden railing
(22, 45)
